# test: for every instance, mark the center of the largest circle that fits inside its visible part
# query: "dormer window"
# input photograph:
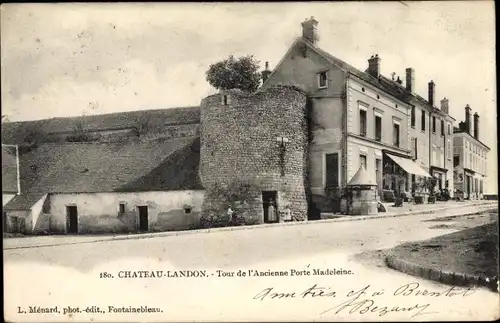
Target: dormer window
(323, 80)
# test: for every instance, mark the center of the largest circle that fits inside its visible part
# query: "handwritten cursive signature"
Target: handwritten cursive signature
(314, 291)
(363, 300)
(363, 306)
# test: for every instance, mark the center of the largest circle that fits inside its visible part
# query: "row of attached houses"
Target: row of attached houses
(365, 118)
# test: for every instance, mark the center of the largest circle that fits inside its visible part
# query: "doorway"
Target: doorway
(468, 184)
(143, 218)
(270, 206)
(71, 219)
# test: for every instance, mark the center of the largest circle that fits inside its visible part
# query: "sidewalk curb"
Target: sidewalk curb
(441, 276)
(347, 218)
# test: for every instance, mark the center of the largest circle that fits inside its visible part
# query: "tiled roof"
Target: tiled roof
(23, 201)
(106, 167)
(9, 169)
(178, 172)
(383, 83)
(15, 132)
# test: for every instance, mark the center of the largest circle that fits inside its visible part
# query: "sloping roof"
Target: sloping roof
(380, 83)
(362, 178)
(23, 201)
(178, 172)
(383, 83)
(9, 169)
(15, 132)
(107, 167)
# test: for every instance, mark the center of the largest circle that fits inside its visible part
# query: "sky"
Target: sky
(82, 59)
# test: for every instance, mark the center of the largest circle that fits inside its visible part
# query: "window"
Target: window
(362, 161)
(187, 209)
(449, 150)
(423, 121)
(121, 208)
(332, 177)
(413, 117)
(442, 127)
(414, 147)
(224, 99)
(378, 128)
(362, 122)
(434, 124)
(456, 161)
(449, 129)
(396, 134)
(322, 80)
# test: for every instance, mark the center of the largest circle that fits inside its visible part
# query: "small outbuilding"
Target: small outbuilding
(362, 194)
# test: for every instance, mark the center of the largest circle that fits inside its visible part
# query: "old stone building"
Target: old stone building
(470, 157)
(258, 141)
(359, 118)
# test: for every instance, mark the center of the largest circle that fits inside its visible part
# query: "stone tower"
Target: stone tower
(257, 144)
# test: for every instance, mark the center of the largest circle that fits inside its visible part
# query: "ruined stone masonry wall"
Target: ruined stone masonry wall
(239, 144)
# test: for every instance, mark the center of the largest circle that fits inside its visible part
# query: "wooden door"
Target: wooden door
(143, 218)
(71, 219)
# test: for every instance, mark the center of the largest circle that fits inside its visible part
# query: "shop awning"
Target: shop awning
(409, 166)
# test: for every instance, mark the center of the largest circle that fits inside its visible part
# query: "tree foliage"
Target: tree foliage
(235, 73)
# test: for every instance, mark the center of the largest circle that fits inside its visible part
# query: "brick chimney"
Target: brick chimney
(467, 119)
(410, 80)
(476, 125)
(445, 106)
(374, 66)
(265, 73)
(309, 30)
(432, 93)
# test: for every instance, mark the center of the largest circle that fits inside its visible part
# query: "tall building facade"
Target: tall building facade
(359, 118)
(470, 157)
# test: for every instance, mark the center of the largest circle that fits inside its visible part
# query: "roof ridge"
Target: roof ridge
(149, 140)
(103, 114)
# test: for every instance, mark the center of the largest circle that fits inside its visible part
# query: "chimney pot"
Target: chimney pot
(265, 73)
(476, 125)
(445, 107)
(410, 80)
(374, 66)
(432, 93)
(467, 119)
(309, 31)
